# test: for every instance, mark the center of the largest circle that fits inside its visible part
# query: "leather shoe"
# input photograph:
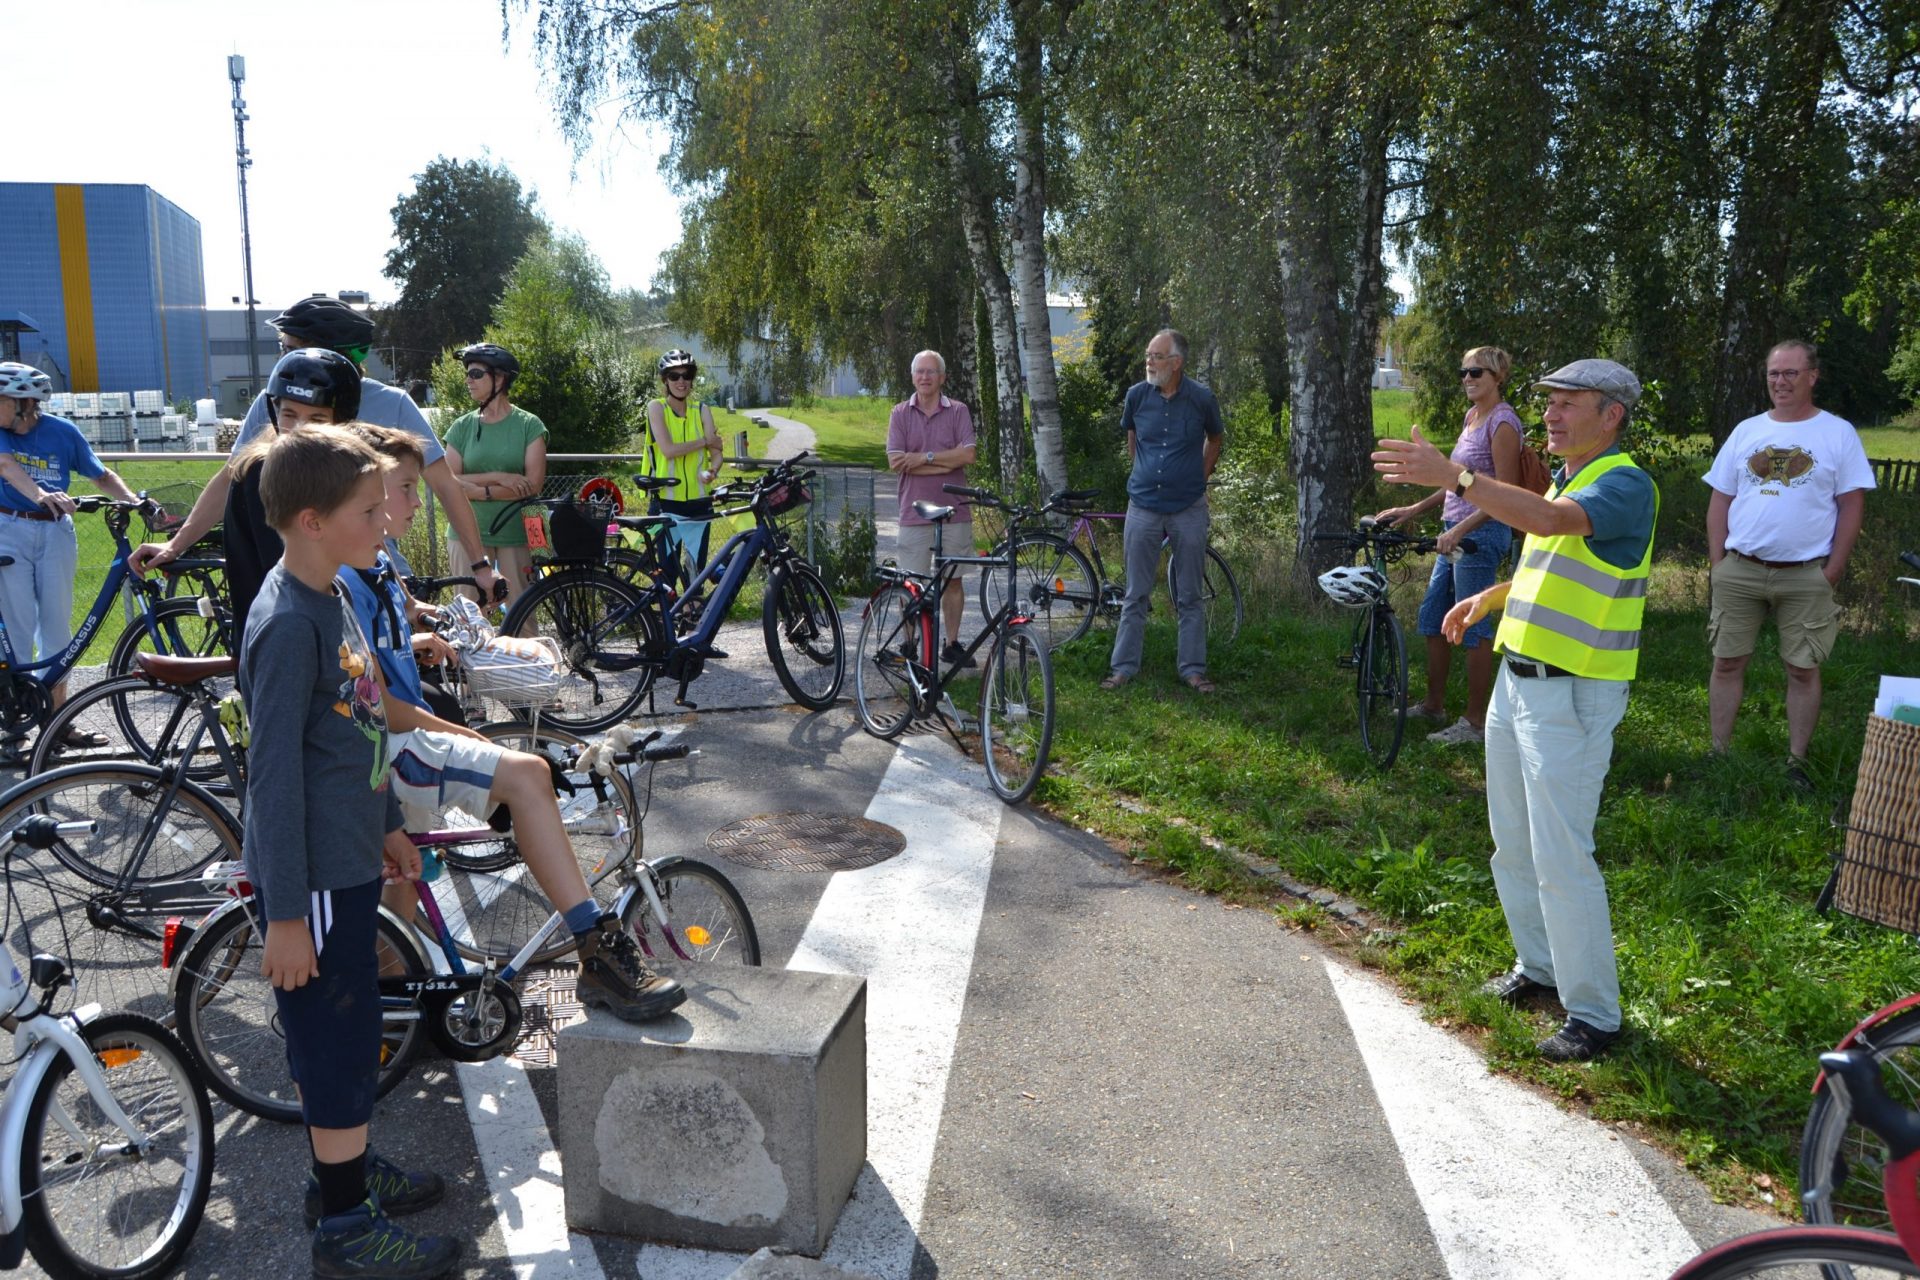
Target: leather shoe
(1577, 1041)
(1513, 986)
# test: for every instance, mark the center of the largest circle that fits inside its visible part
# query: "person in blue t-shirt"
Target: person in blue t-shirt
(41, 453)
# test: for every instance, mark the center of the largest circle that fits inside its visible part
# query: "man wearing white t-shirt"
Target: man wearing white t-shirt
(1789, 488)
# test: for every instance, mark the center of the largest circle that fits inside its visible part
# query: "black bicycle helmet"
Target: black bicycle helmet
(496, 358)
(677, 359)
(316, 376)
(327, 322)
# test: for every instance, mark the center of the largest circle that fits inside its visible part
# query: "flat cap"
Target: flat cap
(1614, 381)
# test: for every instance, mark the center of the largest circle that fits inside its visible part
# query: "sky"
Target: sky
(137, 91)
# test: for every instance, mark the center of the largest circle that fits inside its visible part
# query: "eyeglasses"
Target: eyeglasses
(677, 375)
(1784, 375)
(1473, 373)
(474, 375)
(1157, 358)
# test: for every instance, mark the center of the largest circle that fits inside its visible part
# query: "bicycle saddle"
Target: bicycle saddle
(184, 671)
(932, 512)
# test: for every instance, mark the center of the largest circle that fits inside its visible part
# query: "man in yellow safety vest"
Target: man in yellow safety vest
(1570, 635)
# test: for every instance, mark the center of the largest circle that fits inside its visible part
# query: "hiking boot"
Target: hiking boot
(956, 655)
(363, 1244)
(1460, 733)
(397, 1192)
(614, 977)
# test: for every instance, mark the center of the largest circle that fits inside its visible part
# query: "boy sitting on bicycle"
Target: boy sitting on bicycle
(438, 764)
(318, 808)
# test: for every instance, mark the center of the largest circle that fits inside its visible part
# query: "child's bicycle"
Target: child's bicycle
(462, 991)
(106, 1138)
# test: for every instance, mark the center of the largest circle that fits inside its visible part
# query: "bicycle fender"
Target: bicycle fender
(13, 1247)
(1873, 1019)
(218, 914)
(13, 1130)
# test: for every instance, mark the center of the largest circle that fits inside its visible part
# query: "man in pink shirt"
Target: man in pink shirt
(929, 444)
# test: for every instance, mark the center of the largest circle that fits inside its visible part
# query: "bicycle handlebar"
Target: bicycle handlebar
(430, 586)
(1855, 1077)
(40, 830)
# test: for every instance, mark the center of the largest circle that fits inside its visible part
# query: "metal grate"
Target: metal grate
(806, 842)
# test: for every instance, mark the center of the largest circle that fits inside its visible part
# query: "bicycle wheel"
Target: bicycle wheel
(1016, 713)
(134, 843)
(224, 1009)
(804, 638)
(93, 1207)
(610, 639)
(1840, 1161)
(488, 897)
(1382, 684)
(1791, 1252)
(1219, 597)
(191, 584)
(707, 921)
(177, 629)
(1052, 578)
(141, 721)
(892, 635)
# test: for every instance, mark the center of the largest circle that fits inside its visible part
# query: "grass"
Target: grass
(848, 428)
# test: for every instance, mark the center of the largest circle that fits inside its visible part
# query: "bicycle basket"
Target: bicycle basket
(787, 495)
(1879, 865)
(516, 671)
(175, 502)
(578, 530)
(1356, 586)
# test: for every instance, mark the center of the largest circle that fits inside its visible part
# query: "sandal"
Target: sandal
(1200, 684)
(78, 739)
(1115, 681)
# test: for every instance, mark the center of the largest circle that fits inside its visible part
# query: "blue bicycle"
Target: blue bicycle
(617, 634)
(177, 627)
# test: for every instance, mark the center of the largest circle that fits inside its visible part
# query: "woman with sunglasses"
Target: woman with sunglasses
(683, 445)
(499, 451)
(1490, 443)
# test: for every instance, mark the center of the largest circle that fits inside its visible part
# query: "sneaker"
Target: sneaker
(362, 1242)
(1513, 987)
(614, 977)
(956, 655)
(1576, 1041)
(397, 1192)
(1418, 711)
(1797, 776)
(1458, 734)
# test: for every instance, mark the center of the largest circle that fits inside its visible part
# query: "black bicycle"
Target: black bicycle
(897, 676)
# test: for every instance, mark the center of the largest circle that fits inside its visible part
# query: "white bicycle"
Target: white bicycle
(106, 1135)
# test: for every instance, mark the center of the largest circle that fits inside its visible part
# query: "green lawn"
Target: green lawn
(849, 428)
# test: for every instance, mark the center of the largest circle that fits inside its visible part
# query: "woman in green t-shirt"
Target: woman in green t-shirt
(499, 453)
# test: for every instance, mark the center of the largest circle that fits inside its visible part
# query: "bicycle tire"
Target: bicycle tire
(1220, 597)
(224, 1009)
(143, 722)
(1013, 750)
(805, 641)
(1840, 1161)
(609, 667)
(1789, 1251)
(706, 914)
(176, 629)
(119, 798)
(64, 1176)
(488, 896)
(1381, 684)
(892, 635)
(1053, 578)
(191, 584)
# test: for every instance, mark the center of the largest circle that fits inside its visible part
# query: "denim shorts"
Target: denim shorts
(1453, 581)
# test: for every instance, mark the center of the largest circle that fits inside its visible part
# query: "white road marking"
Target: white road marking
(523, 1172)
(909, 926)
(1510, 1183)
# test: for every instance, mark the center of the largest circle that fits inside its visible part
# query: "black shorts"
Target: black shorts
(332, 1024)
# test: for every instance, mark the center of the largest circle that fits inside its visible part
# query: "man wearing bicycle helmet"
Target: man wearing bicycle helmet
(321, 321)
(40, 455)
(498, 453)
(683, 445)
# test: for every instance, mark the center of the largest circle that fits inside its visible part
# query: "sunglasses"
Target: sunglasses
(677, 375)
(474, 375)
(1472, 373)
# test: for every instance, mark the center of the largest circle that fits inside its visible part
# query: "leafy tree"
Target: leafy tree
(456, 235)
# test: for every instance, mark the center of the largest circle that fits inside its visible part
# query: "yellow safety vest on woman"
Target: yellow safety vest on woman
(681, 429)
(1570, 608)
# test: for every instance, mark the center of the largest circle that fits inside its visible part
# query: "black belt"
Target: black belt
(1528, 669)
(1774, 564)
(28, 515)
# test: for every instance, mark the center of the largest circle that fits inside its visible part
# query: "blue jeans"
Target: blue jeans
(1186, 531)
(36, 590)
(1453, 581)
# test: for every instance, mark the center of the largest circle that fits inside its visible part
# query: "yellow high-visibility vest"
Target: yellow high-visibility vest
(685, 468)
(1570, 608)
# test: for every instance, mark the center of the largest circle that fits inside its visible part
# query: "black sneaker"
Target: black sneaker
(1513, 986)
(614, 977)
(397, 1192)
(1576, 1041)
(1797, 776)
(956, 655)
(363, 1243)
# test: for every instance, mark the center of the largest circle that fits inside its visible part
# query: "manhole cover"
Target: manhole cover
(548, 1002)
(806, 842)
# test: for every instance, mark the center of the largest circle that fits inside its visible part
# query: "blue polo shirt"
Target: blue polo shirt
(1622, 505)
(51, 451)
(1170, 435)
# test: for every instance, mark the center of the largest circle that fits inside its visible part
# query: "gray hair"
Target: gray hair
(937, 359)
(1813, 352)
(1178, 341)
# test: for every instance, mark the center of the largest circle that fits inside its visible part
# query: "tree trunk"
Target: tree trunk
(1368, 273)
(1028, 227)
(963, 366)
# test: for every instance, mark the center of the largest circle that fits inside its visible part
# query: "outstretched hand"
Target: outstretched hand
(1414, 461)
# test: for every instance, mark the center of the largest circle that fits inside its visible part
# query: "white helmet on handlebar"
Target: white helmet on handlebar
(1354, 585)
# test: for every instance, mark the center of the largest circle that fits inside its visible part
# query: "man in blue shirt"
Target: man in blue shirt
(1174, 436)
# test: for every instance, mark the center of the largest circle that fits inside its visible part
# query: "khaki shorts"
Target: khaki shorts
(914, 549)
(510, 563)
(1800, 599)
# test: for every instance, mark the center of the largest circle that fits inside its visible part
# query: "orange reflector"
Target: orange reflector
(117, 1057)
(697, 936)
(1059, 587)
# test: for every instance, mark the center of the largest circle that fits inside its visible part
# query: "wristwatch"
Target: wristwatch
(1464, 483)
(478, 565)
(929, 455)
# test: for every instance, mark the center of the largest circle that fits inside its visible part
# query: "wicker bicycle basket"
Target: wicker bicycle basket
(1879, 871)
(515, 671)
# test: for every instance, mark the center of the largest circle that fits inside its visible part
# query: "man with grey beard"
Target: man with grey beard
(1174, 434)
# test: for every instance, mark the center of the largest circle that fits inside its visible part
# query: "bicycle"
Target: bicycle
(897, 677)
(1840, 1252)
(109, 1152)
(1377, 654)
(1066, 581)
(678, 910)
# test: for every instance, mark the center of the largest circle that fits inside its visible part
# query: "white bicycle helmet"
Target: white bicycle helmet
(23, 381)
(1354, 585)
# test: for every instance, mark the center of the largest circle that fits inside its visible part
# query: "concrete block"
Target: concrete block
(738, 1122)
(769, 1264)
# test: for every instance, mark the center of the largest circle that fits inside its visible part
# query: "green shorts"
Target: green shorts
(1800, 600)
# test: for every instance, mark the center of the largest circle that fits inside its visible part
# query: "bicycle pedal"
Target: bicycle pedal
(1346, 661)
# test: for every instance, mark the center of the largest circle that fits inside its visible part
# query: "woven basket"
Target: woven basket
(1880, 864)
